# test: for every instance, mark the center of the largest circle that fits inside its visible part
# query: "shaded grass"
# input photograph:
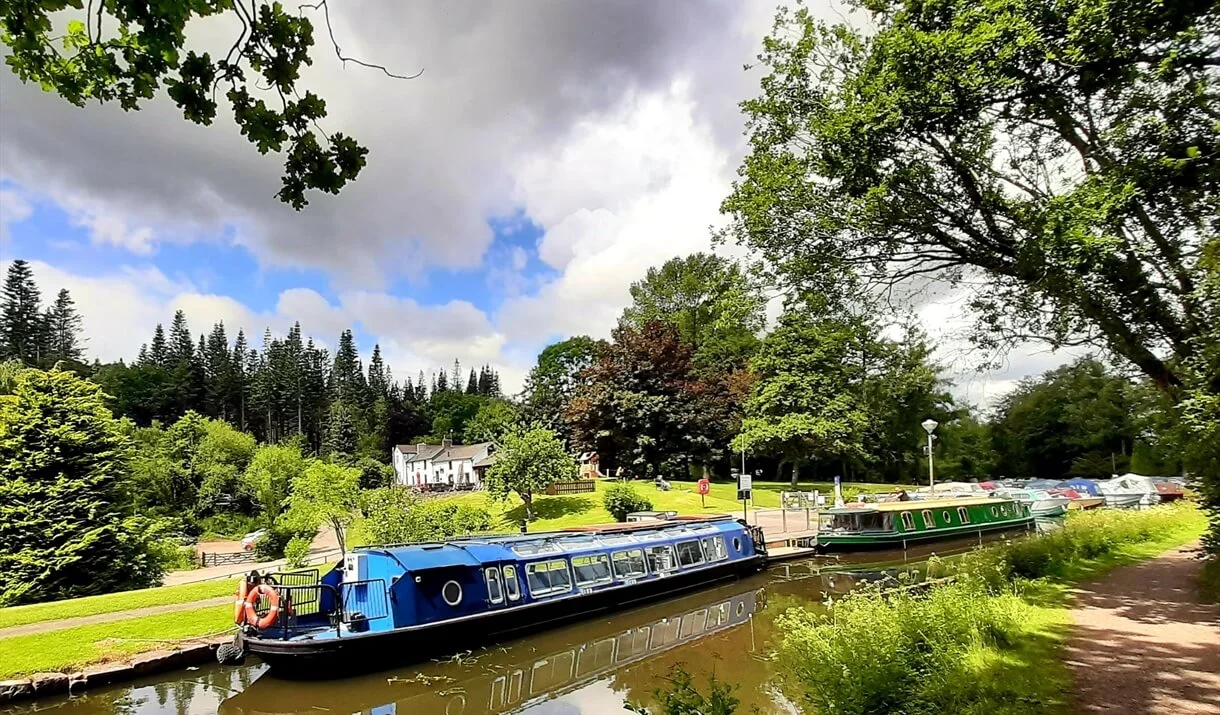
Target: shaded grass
(74, 648)
(112, 602)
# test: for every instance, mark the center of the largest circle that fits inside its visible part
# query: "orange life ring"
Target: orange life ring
(252, 599)
(239, 606)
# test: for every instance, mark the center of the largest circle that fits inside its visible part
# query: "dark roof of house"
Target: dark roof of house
(442, 453)
(487, 461)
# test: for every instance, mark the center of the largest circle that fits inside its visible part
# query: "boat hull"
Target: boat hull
(1087, 503)
(335, 657)
(893, 540)
(1124, 501)
(1044, 508)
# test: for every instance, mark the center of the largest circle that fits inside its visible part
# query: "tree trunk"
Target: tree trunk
(340, 536)
(528, 499)
(796, 472)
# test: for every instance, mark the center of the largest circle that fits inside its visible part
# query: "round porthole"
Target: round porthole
(993, 511)
(946, 516)
(736, 544)
(452, 593)
(741, 608)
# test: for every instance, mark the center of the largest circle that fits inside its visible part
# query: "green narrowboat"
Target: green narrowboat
(895, 525)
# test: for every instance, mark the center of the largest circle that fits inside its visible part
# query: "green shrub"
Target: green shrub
(296, 553)
(681, 697)
(396, 516)
(228, 525)
(274, 542)
(621, 499)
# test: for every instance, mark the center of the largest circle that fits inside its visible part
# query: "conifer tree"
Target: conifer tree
(64, 332)
(218, 374)
(379, 379)
(158, 350)
(240, 386)
(455, 382)
(21, 318)
(472, 385)
(421, 390)
(442, 383)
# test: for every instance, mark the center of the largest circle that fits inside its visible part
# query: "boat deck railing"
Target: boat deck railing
(306, 603)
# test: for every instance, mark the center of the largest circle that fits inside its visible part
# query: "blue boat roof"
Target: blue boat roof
(476, 550)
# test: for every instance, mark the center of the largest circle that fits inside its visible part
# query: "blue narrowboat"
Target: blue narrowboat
(386, 604)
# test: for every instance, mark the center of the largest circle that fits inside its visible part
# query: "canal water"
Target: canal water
(592, 667)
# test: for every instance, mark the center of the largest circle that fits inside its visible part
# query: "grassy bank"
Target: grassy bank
(989, 643)
(112, 603)
(560, 512)
(74, 648)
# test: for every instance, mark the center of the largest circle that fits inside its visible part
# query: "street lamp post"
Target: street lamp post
(929, 426)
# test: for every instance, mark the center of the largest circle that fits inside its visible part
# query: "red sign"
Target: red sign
(704, 486)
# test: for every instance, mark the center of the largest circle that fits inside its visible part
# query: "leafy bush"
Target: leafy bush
(621, 499)
(228, 525)
(296, 553)
(275, 541)
(396, 516)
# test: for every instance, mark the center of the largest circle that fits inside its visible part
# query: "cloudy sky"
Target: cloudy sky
(549, 153)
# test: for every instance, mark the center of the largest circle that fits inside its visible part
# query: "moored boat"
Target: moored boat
(889, 525)
(1128, 491)
(1168, 491)
(1041, 503)
(387, 604)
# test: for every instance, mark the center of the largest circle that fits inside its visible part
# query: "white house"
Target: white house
(418, 465)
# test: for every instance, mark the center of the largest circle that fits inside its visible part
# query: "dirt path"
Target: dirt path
(45, 626)
(1144, 643)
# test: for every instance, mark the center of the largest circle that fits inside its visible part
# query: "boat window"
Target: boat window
(535, 548)
(689, 553)
(661, 558)
(495, 593)
(908, 521)
(547, 577)
(591, 570)
(963, 515)
(713, 548)
(948, 517)
(511, 585)
(929, 521)
(994, 511)
(616, 539)
(578, 543)
(452, 593)
(736, 544)
(629, 564)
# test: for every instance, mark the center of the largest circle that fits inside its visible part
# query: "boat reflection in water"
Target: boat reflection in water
(499, 679)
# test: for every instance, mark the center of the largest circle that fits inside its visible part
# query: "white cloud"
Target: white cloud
(14, 208)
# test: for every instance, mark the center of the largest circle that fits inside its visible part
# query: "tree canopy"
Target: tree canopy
(1058, 161)
(63, 458)
(126, 51)
(325, 494)
(528, 461)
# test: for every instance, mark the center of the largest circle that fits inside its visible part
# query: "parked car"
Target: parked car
(249, 540)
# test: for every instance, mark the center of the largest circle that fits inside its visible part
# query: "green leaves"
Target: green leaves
(527, 462)
(127, 51)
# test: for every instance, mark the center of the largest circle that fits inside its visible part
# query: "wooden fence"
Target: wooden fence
(227, 559)
(579, 486)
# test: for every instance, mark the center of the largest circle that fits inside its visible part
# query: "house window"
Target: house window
(629, 564)
(963, 515)
(510, 583)
(547, 577)
(908, 521)
(929, 521)
(661, 558)
(689, 553)
(591, 570)
(713, 548)
(495, 593)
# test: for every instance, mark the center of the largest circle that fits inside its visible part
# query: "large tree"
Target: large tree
(21, 319)
(125, 51)
(708, 298)
(553, 380)
(64, 331)
(804, 405)
(1059, 160)
(63, 458)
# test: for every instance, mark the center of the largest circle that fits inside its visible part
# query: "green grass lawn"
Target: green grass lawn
(112, 602)
(560, 512)
(74, 648)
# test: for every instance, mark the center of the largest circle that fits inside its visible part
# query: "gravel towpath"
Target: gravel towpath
(1144, 643)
